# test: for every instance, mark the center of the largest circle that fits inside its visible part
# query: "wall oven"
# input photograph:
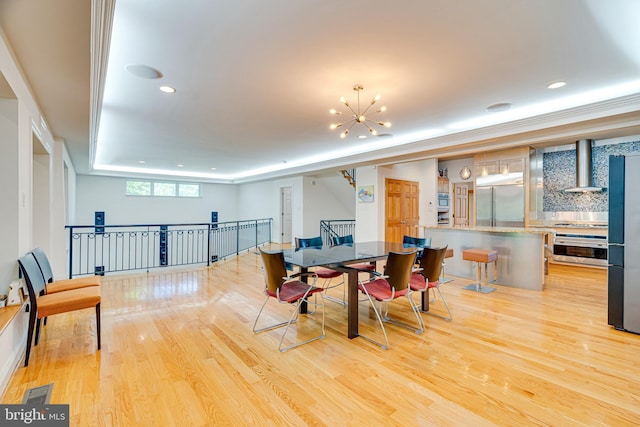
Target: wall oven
(583, 249)
(443, 202)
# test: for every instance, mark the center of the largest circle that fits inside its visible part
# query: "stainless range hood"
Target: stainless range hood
(583, 169)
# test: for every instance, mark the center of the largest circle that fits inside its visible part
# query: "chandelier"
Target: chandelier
(359, 115)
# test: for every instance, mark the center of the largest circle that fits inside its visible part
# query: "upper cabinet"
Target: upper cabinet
(443, 184)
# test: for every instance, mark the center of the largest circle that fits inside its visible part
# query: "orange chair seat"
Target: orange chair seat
(63, 302)
(69, 284)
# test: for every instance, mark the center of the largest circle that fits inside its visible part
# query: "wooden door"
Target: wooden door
(402, 209)
(461, 204)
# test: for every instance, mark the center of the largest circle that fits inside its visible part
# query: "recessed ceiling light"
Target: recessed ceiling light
(142, 162)
(167, 89)
(500, 106)
(143, 71)
(213, 169)
(362, 136)
(556, 85)
(180, 165)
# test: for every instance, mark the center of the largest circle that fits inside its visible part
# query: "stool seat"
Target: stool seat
(482, 256)
(479, 255)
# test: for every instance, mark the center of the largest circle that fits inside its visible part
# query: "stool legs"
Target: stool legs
(478, 286)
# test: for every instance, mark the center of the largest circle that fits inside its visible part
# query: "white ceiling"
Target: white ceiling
(255, 79)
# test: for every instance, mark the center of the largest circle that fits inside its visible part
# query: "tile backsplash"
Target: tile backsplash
(559, 172)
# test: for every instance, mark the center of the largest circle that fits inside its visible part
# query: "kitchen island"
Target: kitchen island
(522, 256)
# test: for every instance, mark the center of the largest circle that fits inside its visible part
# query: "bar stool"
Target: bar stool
(482, 256)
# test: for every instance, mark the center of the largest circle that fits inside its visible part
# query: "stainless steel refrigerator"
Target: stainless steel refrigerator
(624, 245)
(500, 200)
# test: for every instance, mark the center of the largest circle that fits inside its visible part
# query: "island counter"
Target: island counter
(522, 258)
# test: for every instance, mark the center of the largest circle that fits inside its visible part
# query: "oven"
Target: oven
(583, 249)
(443, 202)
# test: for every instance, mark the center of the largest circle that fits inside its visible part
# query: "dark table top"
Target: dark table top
(343, 254)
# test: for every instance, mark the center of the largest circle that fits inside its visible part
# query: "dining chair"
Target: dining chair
(323, 273)
(51, 286)
(309, 242)
(286, 290)
(416, 242)
(428, 276)
(54, 286)
(43, 305)
(393, 284)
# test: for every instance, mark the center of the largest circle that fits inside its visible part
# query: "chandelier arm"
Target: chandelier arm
(352, 110)
(367, 109)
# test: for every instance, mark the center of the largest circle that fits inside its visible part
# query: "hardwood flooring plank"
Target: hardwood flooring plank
(178, 349)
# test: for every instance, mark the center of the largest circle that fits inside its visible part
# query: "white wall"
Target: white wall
(262, 200)
(19, 121)
(9, 208)
(455, 166)
(312, 199)
(370, 217)
(326, 198)
(100, 193)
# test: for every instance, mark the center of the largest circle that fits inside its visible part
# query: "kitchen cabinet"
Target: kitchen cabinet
(443, 185)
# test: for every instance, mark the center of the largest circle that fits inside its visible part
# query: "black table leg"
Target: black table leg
(425, 301)
(352, 296)
(304, 278)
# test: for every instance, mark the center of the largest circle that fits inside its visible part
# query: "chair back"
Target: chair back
(33, 278)
(417, 242)
(311, 242)
(398, 269)
(431, 263)
(43, 263)
(274, 269)
(342, 240)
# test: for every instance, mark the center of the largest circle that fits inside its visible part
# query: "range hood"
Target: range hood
(583, 169)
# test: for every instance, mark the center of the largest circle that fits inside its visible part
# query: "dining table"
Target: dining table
(342, 258)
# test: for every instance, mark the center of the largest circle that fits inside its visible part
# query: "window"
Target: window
(189, 190)
(138, 188)
(161, 189)
(164, 189)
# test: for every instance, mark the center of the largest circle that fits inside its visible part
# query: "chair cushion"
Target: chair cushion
(68, 284)
(419, 283)
(380, 289)
(327, 273)
(293, 290)
(62, 302)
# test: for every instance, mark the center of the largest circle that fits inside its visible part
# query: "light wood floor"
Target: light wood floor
(177, 349)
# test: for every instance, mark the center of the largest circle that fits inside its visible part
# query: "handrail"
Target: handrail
(100, 249)
(336, 227)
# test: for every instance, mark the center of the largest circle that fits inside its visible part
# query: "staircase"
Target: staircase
(350, 175)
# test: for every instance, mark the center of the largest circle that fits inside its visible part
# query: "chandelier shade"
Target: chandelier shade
(359, 114)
